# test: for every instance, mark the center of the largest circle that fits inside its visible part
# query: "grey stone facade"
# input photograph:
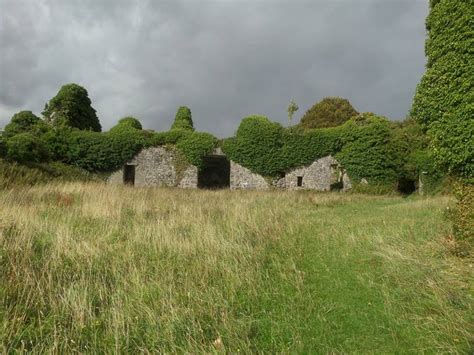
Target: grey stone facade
(321, 175)
(156, 166)
(242, 178)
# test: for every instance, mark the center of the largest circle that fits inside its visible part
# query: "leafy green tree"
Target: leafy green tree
(72, 107)
(329, 112)
(292, 108)
(25, 122)
(444, 103)
(183, 119)
(444, 100)
(27, 148)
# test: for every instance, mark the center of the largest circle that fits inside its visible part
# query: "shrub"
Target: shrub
(330, 112)
(25, 122)
(183, 119)
(257, 145)
(59, 142)
(72, 107)
(26, 148)
(196, 145)
(96, 151)
(366, 152)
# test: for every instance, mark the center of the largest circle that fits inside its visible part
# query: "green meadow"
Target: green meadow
(92, 268)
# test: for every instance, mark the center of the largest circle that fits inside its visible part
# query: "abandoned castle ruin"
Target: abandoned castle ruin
(159, 166)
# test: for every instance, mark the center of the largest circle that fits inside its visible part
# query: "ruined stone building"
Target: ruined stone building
(160, 166)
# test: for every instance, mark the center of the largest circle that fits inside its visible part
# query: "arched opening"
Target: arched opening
(215, 173)
(406, 186)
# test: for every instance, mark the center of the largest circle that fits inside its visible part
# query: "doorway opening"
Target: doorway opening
(406, 186)
(215, 173)
(299, 181)
(336, 183)
(129, 174)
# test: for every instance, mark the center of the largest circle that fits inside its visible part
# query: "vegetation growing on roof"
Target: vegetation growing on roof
(369, 146)
(183, 119)
(329, 112)
(72, 107)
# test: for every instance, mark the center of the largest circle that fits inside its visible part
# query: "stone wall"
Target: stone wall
(243, 179)
(320, 175)
(189, 179)
(156, 167)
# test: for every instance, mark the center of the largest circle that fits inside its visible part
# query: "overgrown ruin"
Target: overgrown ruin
(163, 166)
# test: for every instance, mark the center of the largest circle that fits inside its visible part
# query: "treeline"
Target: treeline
(370, 147)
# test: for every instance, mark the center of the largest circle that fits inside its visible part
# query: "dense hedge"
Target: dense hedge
(444, 98)
(196, 145)
(257, 145)
(363, 145)
(302, 148)
(26, 148)
(366, 151)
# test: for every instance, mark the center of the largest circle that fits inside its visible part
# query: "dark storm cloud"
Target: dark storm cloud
(224, 59)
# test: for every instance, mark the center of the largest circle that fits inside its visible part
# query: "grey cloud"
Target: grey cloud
(224, 59)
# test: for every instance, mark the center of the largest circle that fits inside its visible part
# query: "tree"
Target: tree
(292, 108)
(72, 107)
(444, 99)
(23, 122)
(183, 119)
(329, 112)
(444, 103)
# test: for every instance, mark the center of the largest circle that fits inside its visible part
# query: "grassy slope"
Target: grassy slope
(89, 266)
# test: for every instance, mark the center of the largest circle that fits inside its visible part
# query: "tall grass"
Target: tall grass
(88, 267)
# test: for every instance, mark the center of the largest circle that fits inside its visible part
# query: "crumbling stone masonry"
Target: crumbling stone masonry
(157, 166)
(323, 174)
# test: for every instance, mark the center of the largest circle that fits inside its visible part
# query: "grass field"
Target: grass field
(94, 268)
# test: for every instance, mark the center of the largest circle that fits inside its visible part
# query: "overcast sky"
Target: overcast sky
(225, 59)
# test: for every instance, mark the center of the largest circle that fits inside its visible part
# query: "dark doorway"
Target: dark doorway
(406, 186)
(336, 183)
(299, 181)
(215, 173)
(129, 174)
